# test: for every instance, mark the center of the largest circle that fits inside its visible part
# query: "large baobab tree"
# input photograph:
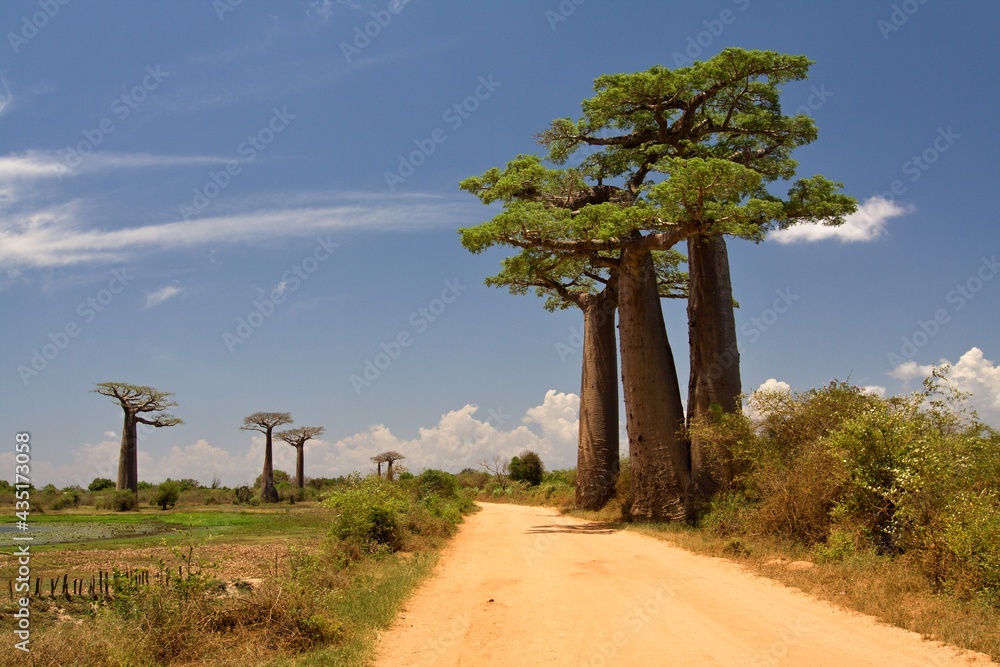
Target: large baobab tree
(726, 108)
(673, 156)
(297, 438)
(266, 422)
(378, 460)
(136, 401)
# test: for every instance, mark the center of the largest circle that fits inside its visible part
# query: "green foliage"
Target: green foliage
(124, 501)
(438, 482)
(100, 483)
(368, 515)
(242, 495)
(279, 476)
(527, 468)
(848, 472)
(167, 494)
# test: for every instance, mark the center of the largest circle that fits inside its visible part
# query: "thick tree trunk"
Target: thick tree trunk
(597, 446)
(128, 456)
(715, 356)
(300, 466)
(658, 452)
(268, 493)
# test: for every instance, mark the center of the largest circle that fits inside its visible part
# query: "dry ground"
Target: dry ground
(526, 586)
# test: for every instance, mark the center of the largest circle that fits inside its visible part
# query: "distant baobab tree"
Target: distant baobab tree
(136, 400)
(265, 422)
(297, 437)
(388, 458)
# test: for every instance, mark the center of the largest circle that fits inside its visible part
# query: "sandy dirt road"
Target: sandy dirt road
(525, 586)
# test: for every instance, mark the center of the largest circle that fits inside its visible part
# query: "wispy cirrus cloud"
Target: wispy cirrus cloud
(154, 299)
(868, 223)
(67, 234)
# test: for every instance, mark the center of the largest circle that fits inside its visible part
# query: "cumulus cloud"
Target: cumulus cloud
(159, 296)
(772, 384)
(460, 439)
(868, 223)
(973, 373)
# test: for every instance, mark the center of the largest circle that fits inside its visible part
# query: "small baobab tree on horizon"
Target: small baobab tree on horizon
(136, 400)
(388, 458)
(266, 422)
(297, 438)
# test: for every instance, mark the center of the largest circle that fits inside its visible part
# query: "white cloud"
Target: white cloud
(6, 97)
(460, 439)
(874, 390)
(973, 374)
(161, 295)
(38, 165)
(63, 235)
(772, 384)
(868, 223)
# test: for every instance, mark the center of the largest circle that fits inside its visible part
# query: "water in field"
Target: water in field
(82, 531)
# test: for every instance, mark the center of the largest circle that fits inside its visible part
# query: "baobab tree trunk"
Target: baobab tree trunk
(715, 356)
(300, 467)
(658, 451)
(128, 456)
(597, 446)
(268, 493)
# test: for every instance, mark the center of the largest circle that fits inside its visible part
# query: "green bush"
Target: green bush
(167, 494)
(124, 501)
(527, 468)
(368, 515)
(848, 472)
(100, 483)
(242, 495)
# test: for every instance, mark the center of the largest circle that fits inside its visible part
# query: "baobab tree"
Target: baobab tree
(378, 460)
(265, 422)
(136, 400)
(588, 283)
(692, 160)
(726, 108)
(297, 438)
(389, 458)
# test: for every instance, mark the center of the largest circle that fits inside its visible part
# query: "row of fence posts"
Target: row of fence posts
(98, 588)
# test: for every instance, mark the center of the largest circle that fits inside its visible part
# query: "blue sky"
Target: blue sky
(248, 203)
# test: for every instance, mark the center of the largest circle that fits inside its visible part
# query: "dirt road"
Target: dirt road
(525, 586)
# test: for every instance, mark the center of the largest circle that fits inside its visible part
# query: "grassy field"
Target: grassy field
(301, 584)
